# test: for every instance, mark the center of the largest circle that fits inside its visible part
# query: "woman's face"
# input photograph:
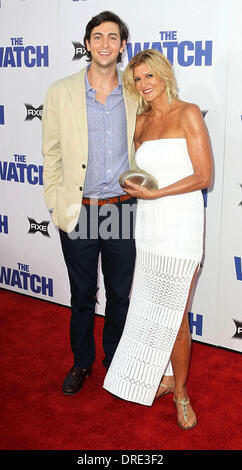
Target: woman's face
(149, 86)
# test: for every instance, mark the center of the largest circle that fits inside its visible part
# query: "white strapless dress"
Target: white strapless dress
(169, 243)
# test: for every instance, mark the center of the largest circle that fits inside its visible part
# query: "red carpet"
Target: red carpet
(35, 415)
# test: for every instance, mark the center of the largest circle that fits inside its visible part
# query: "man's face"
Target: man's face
(105, 44)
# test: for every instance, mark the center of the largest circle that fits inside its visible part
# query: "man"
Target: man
(88, 126)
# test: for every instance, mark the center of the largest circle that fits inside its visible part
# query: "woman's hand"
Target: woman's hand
(140, 192)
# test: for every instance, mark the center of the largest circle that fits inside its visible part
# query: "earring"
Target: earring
(168, 93)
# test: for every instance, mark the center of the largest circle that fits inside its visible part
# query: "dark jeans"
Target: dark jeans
(113, 237)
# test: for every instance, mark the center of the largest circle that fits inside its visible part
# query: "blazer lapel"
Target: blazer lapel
(78, 98)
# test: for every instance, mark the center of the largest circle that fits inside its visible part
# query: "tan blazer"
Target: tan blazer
(65, 147)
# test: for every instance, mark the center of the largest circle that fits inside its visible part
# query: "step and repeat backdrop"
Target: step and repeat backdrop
(41, 41)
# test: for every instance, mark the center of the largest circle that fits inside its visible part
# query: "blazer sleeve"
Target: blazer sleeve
(51, 148)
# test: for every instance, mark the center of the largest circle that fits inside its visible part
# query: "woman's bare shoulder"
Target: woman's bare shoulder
(192, 121)
(140, 122)
(189, 110)
(140, 119)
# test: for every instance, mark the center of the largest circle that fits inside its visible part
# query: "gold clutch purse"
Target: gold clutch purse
(140, 177)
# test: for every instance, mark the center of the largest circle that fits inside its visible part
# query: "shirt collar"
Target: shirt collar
(116, 91)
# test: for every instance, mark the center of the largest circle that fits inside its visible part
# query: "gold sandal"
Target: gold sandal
(169, 388)
(184, 402)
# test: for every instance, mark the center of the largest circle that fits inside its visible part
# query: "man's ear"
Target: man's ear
(122, 46)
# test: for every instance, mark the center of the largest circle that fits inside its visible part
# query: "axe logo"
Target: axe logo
(80, 50)
(33, 112)
(238, 332)
(36, 227)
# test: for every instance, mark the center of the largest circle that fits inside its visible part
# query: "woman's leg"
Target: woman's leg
(180, 359)
(167, 382)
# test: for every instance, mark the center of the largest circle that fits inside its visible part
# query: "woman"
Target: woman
(171, 143)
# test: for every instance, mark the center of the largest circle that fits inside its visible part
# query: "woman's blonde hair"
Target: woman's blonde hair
(159, 65)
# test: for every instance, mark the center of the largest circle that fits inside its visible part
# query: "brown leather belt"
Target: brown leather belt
(100, 202)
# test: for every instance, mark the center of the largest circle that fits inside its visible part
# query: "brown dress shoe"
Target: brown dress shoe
(74, 380)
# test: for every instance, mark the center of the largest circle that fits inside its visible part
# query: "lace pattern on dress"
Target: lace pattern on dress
(160, 291)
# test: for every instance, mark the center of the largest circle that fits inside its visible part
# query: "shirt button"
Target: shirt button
(80, 188)
(105, 187)
(83, 166)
